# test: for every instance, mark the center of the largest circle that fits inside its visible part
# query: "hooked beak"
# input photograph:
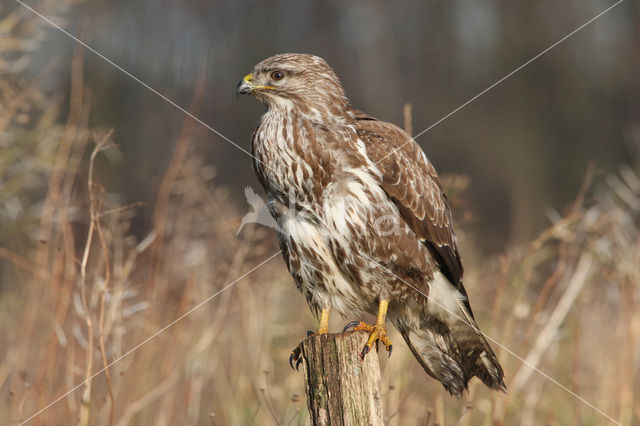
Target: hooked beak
(245, 85)
(248, 86)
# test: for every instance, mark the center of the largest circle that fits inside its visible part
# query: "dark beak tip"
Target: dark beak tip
(241, 89)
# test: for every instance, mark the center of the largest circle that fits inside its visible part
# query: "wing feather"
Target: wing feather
(413, 184)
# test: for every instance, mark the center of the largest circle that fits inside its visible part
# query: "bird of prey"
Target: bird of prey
(363, 222)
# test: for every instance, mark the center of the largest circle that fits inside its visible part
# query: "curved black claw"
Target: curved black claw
(364, 352)
(349, 325)
(291, 359)
(390, 349)
(296, 356)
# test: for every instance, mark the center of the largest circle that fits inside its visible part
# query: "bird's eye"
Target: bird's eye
(277, 75)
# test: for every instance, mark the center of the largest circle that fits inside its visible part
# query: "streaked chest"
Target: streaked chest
(290, 160)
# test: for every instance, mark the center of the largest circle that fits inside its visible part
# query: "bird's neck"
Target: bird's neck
(321, 114)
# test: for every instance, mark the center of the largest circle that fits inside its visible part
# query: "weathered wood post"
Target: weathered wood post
(341, 388)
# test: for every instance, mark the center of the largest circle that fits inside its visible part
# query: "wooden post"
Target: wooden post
(341, 388)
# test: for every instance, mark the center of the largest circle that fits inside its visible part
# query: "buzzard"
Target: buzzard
(363, 223)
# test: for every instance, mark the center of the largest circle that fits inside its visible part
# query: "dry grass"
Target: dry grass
(79, 291)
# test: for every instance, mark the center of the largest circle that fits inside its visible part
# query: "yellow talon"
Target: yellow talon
(377, 332)
(323, 328)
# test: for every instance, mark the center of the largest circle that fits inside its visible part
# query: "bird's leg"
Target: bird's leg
(323, 328)
(377, 332)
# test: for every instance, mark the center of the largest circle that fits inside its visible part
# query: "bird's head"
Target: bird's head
(294, 80)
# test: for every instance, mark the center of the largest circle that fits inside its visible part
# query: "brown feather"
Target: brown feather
(413, 184)
(334, 175)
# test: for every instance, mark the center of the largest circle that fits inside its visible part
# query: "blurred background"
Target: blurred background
(98, 252)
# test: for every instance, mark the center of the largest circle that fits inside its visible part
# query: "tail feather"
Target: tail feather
(453, 352)
(486, 366)
(435, 361)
